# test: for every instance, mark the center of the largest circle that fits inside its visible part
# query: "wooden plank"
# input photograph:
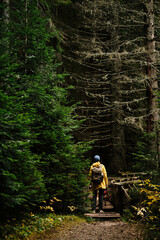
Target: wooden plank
(127, 179)
(103, 215)
(107, 205)
(134, 174)
(126, 194)
(127, 182)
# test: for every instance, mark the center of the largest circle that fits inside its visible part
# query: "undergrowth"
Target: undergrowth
(145, 209)
(34, 225)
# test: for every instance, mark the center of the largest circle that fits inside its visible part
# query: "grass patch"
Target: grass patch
(37, 226)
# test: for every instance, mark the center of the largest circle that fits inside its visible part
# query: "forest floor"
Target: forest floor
(95, 230)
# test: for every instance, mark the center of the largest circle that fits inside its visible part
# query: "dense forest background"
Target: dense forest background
(111, 51)
(78, 78)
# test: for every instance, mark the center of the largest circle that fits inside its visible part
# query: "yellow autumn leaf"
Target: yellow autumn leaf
(72, 208)
(56, 199)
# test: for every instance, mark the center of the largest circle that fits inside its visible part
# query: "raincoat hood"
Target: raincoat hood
(96, 164)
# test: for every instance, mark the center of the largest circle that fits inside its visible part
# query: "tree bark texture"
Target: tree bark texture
(152, 84)
(6, 11)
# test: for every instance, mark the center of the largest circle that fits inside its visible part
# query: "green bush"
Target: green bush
(39, 157)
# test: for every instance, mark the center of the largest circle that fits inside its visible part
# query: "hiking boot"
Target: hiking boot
(101, 211)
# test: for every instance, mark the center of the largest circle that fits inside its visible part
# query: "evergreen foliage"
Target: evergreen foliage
(38, 155)
(19, 176)
(110, 55)
(145, 159)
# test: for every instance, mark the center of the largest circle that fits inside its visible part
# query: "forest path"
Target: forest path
(99, 230)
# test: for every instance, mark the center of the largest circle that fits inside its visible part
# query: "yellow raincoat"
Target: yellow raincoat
(104, 184)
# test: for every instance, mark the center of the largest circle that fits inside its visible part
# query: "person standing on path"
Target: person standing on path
(97, 184)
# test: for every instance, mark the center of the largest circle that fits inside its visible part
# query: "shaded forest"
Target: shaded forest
(111, 52)
(78, 78)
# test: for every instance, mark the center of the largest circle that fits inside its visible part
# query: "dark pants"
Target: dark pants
(100, 199)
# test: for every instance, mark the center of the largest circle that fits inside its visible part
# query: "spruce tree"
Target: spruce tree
(39, 157)
(21, 183)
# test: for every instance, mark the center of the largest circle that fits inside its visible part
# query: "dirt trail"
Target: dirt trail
(100, 230)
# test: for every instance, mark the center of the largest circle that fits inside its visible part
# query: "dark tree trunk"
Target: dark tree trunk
(152, 84)
(118, 143)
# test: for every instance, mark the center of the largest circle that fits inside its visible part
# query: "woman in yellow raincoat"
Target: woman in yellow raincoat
(98, 186)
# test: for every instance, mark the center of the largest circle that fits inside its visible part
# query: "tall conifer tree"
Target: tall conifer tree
(39, 158)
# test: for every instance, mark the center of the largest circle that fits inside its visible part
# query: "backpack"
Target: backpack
(97, 175)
